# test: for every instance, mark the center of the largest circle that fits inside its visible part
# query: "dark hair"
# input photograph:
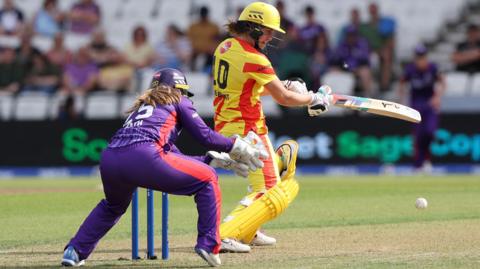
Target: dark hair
(309, 10)
(472, 27)
(47, 2)
(140, 29)
(175, 29)
(204, 11)
(159, 95)
(241, 27)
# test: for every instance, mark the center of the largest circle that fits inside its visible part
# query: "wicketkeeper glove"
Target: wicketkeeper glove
(295, 85)
(249, 150)
(223, 160)
(320, 101)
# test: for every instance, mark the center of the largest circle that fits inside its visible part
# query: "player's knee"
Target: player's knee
(115, 208)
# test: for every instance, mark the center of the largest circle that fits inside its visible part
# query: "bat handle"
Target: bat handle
(332, 98)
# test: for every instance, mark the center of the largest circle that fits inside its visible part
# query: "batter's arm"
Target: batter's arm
(285, 97)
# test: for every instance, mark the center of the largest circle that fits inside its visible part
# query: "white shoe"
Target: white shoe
(212, 259)
(232, 245)
(262, 239)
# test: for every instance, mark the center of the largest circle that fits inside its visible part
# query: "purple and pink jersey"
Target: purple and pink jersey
(163, 124)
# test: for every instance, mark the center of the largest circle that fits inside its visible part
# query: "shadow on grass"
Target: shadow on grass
(111, 266)
(159, 251)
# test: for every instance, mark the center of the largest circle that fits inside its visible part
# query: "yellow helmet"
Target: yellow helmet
(263, 14)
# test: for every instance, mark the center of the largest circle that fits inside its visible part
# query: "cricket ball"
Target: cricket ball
(421, 203)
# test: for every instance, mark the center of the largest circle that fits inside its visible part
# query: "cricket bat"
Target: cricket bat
(375, 106)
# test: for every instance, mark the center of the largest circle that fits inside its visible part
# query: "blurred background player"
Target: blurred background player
(427, 86)
(241, 74)
(143, 154)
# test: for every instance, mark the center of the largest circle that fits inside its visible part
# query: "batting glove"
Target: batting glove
(223, 160)
(320, 101)
(296, 85)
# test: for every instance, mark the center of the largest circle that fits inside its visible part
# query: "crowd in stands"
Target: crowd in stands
(365, 47)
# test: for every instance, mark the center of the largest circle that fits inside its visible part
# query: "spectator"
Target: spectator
(467, 55)
(26, 51)
(380, 34)
(67, 111)
(81, 75)
(100, 51)
(49, 20)
(43, 77)
(139, 54)
(285, 22)
(11, 19)
(59, 55)
(290, 42)
(11, 72)
(84, 17)
(174, 51)
(117, 75)
(426, 89)
(355, 21)
(353, 53)
(292, 60)
(204, 36)
(320, 63)
(311, 31)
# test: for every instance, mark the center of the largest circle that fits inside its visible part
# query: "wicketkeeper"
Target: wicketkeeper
(143, 154)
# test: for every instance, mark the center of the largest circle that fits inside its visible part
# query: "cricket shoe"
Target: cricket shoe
(232, 245)
(262, 239)
(71, 258)
(287, 152)
(212, 259)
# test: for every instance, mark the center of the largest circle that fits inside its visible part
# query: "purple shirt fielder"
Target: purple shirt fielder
(423, 78)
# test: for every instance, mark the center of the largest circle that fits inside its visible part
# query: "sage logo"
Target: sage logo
(77, 146)
(388, 149)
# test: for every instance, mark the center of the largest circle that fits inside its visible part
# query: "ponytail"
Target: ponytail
(159, 95)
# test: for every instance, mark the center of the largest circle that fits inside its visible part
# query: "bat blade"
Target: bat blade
(375, 106)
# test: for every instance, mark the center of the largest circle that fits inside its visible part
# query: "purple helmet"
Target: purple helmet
(420, 50)
(173, 78)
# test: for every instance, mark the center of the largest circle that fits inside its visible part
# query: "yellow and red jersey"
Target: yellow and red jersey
(239, 75)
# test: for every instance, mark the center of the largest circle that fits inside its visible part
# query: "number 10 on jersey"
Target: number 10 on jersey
(220, 73)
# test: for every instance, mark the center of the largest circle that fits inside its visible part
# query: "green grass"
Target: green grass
(335, 222)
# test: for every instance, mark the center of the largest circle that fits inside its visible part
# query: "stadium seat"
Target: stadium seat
(75, 41)
(340, 82)
(6, 104)
(457, 83)
(270, 107)
(203, 105)
(101, 105)
(475, 87)
(31, 106)
(42, 43)
(199, 83)
(126, 102)
(56, 102)
(147, 74)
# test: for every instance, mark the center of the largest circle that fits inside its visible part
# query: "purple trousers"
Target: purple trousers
(148, 166)
(424, 133)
